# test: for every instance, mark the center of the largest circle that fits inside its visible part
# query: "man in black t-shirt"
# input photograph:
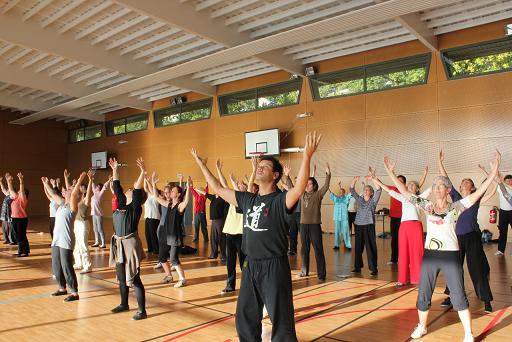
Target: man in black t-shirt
(266, 277)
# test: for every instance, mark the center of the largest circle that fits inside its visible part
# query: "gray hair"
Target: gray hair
(446, 181)
(370, 187)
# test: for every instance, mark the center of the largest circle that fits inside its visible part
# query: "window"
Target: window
(85, 133)
(396, 73)
(478, 59)
(130, 124)
(183, 112)
(275, 95)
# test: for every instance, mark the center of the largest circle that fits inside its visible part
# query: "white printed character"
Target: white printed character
(254, 216)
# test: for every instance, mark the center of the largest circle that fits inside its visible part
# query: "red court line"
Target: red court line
(199, 328)
(321, 293)
(492, 323)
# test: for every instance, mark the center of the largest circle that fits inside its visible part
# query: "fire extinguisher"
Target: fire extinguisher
(492, 215)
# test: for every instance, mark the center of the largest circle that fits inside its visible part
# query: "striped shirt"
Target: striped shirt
(365, 209)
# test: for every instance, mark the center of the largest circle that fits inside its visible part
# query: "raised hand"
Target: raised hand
(312, 142)
(67, 174)
(286, 170)
(388, 164)
(8, 177)
(254, 163)
(371, 173)
(189, 182)
(52, 182)
(20, 176)
(90, 174)
(154, 178)
(197, 158)
(496, 163)
(327, 168)
(218, 164)
(112, 162)
(232, 177)
(44, 180)
(441, 156)
(140, 164)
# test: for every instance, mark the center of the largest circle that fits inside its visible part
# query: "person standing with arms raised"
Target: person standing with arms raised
(266, 277)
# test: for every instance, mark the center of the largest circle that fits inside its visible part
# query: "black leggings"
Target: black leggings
(137, 286)
(20, 229)
(504, 220)
(151, 225)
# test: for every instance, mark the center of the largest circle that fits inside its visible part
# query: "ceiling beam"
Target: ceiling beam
(13, 74)
(331, 26)
(186, 17)
(418, 28)
(22, 103)
(30, 34)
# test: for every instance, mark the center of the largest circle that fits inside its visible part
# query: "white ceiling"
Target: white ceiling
(71, 59)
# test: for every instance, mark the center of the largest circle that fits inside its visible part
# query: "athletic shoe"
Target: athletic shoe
(212, 257)
(399, 284)
(95, 244)
(222, 260)
(468, 338)
(75, 267)
(86, 271)
(292, 253)
(374, 273)
(488, 307)
(140, 315)
(71, 298)
(181, 283)
(59, 293)
(195, 240)
(499, 253)
(335, 248)
(419, 331)
(103, 246)
(227, 290)
(390, 263)
(446, 303)
(167, 279)
(173, 268)
(302, 275)
(120, 308)
(356, 270)
(157, 266)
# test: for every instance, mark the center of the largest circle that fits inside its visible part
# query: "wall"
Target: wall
(21, 149)
(467, 118)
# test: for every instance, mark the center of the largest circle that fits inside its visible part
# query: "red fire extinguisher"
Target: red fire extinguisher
(492, 215)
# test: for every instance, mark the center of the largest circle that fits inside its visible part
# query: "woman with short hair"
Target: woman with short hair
(19, 214)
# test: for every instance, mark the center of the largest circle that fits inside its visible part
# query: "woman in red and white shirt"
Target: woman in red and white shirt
(19, 213)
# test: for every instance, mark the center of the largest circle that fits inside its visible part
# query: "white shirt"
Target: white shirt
(441, 234)
(234, 223)
(409, 211)
(504, 205)
(151, 209)
(53, 208)
(352, 205)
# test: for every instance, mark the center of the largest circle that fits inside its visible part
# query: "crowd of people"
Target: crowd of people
(258, 221)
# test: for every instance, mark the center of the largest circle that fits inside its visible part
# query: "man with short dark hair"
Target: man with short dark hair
(266, 277)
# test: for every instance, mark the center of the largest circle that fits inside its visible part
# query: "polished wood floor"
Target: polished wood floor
(361, 308)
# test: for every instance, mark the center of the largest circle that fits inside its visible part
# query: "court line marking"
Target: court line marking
(492, 323)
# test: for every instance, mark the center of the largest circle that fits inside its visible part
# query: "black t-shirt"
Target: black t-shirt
(218, 207)
(126, 217)
(171, 231)
(265, 224)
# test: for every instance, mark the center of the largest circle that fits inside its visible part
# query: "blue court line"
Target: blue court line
(25, 298)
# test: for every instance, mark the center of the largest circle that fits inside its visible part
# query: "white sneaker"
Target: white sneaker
(469, 338)
(419, 331)
(498, 253)
(157, 266)
(181, 283)
(173, 268)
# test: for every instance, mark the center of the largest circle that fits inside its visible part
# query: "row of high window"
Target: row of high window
(461, 62)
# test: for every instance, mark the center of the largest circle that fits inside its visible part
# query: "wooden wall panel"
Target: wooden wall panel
(338, 109)
(400, 101)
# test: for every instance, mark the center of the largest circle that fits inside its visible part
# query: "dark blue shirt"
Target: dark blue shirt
(468, 219)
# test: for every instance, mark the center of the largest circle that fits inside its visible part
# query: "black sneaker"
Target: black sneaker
(227, 290)
(374, 273)
(59, 293)
(140, 315)
(356, 270)
(120, 308)
(335, 248)
(488, 307)
(446, 303)
(71, 298)
(292, 253)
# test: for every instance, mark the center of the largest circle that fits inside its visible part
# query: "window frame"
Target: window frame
(100, 125)
(364, 68)
(180, 106)
(487, 42)
(256, 90)
(125, 119)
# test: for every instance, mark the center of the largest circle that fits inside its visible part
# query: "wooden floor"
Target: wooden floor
(354, 309)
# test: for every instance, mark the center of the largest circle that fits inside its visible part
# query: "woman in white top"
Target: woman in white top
(152, 216)
(441, 246)
(410, 235)
(53, 205)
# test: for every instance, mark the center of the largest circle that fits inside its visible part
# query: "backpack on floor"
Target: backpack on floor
(486, 236)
